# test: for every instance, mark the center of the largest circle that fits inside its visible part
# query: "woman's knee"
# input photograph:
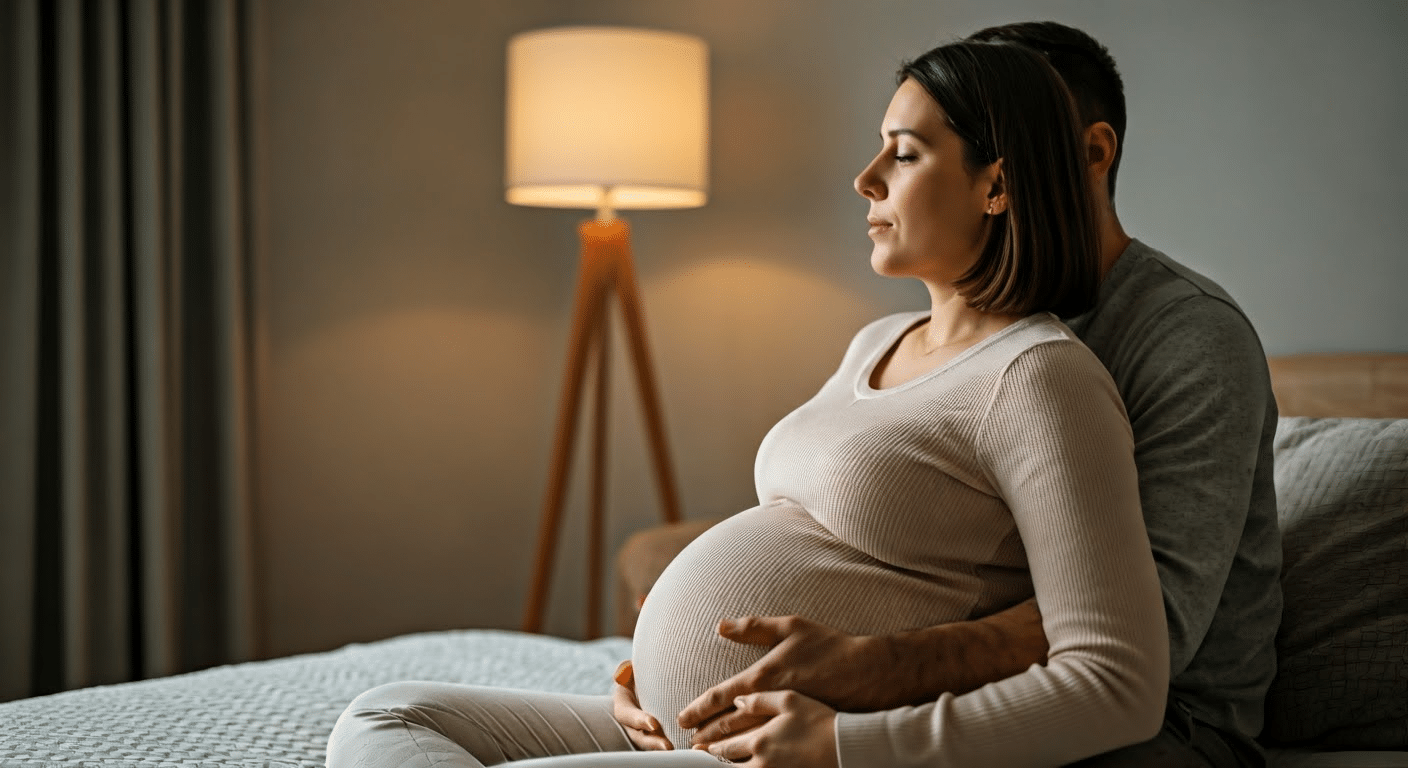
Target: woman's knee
(393, 723)
(389, 696)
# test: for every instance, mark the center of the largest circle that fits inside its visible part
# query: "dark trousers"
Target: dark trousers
(1183, 742)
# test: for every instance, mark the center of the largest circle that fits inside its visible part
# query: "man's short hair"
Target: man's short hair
(1085, 65)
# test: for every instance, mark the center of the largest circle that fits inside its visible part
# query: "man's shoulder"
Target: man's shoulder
(1149, 295)
(1148, 280)
(1158, 268)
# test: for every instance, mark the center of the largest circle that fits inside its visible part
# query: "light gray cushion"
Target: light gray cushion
(1342, 491)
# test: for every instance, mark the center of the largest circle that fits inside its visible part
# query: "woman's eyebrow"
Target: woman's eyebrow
(906, 131)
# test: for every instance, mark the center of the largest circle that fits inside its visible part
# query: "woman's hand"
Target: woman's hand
(798, 732)
(804, 656)
(643, 730)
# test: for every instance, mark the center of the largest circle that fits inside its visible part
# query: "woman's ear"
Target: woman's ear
(1100, 146)
(997, 190)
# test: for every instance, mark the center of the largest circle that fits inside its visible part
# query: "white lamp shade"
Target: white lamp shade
(607, 117)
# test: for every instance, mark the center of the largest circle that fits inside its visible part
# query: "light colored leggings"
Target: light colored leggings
(422, 724)
(417, 725)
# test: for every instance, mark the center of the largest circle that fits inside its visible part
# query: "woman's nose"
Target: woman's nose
(868, 185)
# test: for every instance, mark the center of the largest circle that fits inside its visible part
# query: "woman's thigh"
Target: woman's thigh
(445, 724)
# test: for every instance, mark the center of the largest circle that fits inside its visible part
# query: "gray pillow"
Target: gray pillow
(1342, 491)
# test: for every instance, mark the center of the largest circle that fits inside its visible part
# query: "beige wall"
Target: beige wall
(416, 323)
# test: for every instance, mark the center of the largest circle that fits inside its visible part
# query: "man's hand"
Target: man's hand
(643, 730)
(810, 658)
(866, 673)
(798, 732)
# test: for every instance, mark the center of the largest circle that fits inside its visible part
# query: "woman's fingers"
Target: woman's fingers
(648, 742)
(737, 749)
(631, 716)
(643, 730)
(798, 731)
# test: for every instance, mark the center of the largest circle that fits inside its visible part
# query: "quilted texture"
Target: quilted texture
(1342, 491)
(278, 714)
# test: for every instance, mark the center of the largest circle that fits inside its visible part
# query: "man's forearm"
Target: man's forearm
(865, 673)
(922, 664)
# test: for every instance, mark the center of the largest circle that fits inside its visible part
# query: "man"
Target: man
(1193, 378)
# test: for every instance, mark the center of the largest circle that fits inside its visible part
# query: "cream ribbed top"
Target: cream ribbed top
(883, 510)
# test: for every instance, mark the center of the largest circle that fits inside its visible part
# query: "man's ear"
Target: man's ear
(997, 190)
(1100, 146)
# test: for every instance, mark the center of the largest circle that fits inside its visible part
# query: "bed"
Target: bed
(278, 713)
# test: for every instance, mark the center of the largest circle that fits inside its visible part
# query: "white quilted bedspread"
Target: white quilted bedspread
(278, 713)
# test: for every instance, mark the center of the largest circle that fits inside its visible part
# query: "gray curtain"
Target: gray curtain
(125, 340)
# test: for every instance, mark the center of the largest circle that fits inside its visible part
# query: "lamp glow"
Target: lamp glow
(607, 117)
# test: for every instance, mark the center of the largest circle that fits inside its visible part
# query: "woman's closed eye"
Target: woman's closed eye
(906, 158)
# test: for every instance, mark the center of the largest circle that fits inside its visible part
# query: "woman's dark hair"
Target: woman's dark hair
(1084, 64)
(1006, 103)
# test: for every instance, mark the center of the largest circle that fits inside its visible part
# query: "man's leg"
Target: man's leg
(1183, 742)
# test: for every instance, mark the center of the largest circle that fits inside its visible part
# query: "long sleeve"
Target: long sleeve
(1057, 447)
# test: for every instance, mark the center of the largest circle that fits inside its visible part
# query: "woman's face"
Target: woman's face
(927, 212)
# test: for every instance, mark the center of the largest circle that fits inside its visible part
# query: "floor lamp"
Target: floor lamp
(603, 118)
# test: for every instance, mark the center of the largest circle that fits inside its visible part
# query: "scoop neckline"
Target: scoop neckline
(863, 388)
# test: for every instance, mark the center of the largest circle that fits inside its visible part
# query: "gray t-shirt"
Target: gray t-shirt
(1194, 380)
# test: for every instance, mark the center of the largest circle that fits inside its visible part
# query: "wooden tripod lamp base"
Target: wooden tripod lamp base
(606, 270)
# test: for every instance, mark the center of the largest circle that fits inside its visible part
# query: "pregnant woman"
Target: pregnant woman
(960, 460)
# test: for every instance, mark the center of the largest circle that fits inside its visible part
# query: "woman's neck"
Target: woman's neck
(953, 323)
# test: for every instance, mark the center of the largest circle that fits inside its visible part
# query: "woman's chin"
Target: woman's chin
(886, 266)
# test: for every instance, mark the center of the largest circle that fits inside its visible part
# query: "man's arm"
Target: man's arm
(854, 673)
(1199, 399)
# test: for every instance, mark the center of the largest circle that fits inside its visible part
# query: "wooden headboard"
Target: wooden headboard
(1366, 386)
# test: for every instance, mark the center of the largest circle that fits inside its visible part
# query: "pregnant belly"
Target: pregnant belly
(773, 560)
